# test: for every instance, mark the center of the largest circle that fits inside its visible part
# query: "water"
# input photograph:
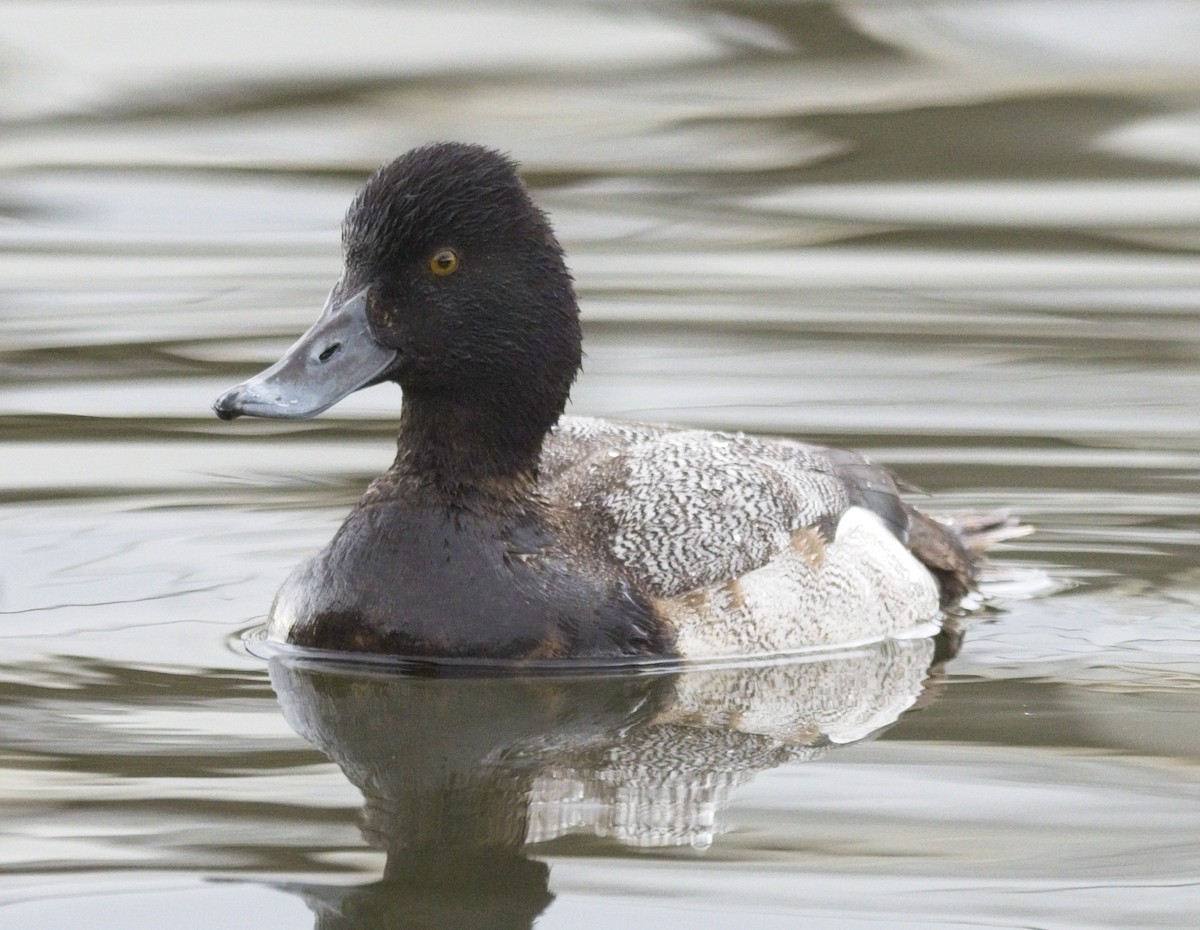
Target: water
(958, 236)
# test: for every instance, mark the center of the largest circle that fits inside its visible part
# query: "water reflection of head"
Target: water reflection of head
(460, 775)
(447, 767)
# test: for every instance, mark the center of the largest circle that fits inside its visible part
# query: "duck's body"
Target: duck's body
(504, 530)
(636, 540)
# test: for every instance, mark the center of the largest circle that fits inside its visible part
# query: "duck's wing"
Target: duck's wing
(686, 509)
(574, 441)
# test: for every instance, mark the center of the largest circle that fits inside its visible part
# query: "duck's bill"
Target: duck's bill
(336, 357)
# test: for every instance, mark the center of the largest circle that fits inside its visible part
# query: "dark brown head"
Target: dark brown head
(454, 286)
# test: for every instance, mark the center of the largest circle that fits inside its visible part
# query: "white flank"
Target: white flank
(863, 587)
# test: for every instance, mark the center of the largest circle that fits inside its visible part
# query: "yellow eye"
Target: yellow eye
(444, 262)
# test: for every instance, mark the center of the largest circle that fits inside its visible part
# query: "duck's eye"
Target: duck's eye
(444, 262)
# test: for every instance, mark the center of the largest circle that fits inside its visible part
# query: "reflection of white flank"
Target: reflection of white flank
(667, 783)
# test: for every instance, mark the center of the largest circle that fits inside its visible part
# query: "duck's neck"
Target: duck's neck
(485, 444)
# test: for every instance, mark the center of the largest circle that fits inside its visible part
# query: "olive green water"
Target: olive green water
(959, 236)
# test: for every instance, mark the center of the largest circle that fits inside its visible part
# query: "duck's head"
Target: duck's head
(454, 286)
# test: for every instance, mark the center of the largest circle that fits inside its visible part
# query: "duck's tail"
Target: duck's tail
(952, 547)
(981, 531)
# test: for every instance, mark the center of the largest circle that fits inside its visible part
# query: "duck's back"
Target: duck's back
(746, 545)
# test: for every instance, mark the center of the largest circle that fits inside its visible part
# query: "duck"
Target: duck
(507, 530)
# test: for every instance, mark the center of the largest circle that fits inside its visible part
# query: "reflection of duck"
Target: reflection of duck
(460, 775)
(665, 783)
(502, 530)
